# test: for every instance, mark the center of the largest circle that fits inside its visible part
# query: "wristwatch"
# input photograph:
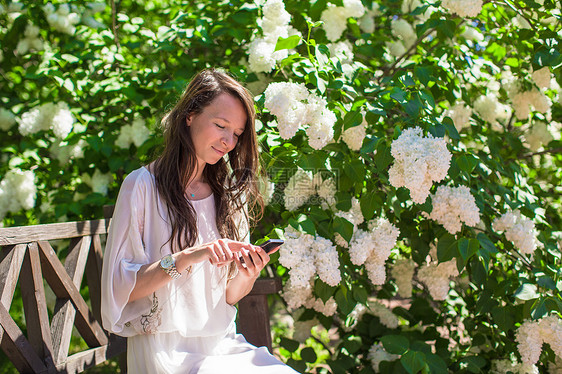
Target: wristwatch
(168, 264)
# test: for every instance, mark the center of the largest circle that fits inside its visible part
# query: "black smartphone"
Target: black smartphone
(271, 244)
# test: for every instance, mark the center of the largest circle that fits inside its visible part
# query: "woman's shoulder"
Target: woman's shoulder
(139, 178)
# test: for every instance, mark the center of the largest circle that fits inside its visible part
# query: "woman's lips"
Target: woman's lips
(218, 151)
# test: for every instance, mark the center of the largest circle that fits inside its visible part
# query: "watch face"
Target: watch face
(167, 262)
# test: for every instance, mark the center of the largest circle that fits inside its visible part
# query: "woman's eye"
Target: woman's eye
(219, 126)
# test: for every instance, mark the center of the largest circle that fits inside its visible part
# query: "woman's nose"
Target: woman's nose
(229, 141)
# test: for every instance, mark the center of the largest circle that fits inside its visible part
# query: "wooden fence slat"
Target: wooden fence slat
(17, 347)
(64, 312)
(80, 361)
(93, 275)
(51, 231)
(35, 306)
(10, 268)
(63, 287)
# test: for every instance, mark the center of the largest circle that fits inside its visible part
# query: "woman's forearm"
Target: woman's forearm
(238, 287)
(151, 277)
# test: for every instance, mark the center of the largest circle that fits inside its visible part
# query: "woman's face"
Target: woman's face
(215, 131)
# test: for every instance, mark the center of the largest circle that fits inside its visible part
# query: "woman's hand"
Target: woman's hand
(251, 263)
(219, 252)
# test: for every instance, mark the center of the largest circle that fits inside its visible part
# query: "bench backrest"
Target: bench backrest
(28, 258)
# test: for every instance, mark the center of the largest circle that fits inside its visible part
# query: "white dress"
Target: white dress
(186, 326)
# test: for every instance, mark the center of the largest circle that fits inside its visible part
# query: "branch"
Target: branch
(516, 10)
(114, 24)
(553, 150)
(399, 59)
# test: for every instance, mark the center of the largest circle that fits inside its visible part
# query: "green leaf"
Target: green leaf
(446, 248)
(413, 361)
(395, 344)
(351, 119)
(467, 162)
(423, 73)
(289, 344)
(527, 291)
(436, 364)
(370, 203)
(344, 301)
(343, 227)
(308, 355)
(303, 223)
(352, 344)
(323, 290)
(503, 318)
(355, 170)
(468, 248)
(486, 243)
(360, 294)
(474, 364)
(451, 129)
(287, 43)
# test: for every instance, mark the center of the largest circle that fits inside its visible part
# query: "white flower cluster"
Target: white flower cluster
(136, 133)
(556, 366)
(373, 247)
(436, 277)
(274, 24)
(538, 135)
(342, 51)
(396, 48)
(326, 190)
(531, 335)
(88, 15)
(294, 106)
(298, 190)
(418, 162)
(301, 329)
(464, 8)
(7, 119)
(354, 215)
(506, 366)
(61, 19)
(542, 77)
(30, 40)
(470, 33)
(377, 354)
(354, 136)
(519, 229)
(266, 188)
(45, 117)
(99, 182)
(454, 205)
(64, 152)
(17, 191)
(403, 272)
(306, 255)
(385, 315)
(460, 114)
(490, 109)
(296, 296)
(525, 101)
(367, 22)
(404, 31)
(335, 18)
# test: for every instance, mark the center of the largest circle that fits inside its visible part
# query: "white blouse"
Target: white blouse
(183, 325)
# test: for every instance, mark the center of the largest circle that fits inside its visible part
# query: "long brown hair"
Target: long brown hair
(233, 182)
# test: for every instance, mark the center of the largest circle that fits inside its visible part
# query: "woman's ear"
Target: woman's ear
(188, 120)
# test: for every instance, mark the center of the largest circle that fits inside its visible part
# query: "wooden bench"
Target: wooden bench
(28, 258)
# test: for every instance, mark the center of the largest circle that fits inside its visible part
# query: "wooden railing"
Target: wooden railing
(28, 258)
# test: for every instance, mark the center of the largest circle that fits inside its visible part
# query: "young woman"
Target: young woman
(172, 268)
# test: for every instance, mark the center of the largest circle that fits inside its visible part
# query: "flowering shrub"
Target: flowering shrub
(412, 148)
